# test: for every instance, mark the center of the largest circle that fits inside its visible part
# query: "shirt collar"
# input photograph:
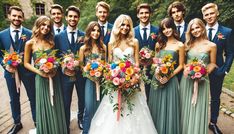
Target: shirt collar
(215, 27)
(61, 27)
(181, 24)
(70, 30)
(105, 25)
(147, 26)
(12, 29)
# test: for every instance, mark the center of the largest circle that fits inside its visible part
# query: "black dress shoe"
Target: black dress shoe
(214, 128)
(80, 124)
(16, 128)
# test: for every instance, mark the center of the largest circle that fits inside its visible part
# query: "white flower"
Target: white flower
(42, 61)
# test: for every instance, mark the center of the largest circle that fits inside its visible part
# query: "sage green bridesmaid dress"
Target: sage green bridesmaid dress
(194, 119)
(164, 102)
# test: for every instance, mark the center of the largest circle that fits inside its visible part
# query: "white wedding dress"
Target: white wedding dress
(139, 122)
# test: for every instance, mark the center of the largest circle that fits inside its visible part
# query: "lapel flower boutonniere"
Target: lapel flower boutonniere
(108, 31)
(80, 39)
(23, 37)
(153, 36)
(220, 36)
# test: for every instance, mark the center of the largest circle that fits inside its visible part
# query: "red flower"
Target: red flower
(220, 36)
(153, 36)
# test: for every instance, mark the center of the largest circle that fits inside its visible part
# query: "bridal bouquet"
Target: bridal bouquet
(122, 77)
(70, 63)
(196, 70)
(162, 67)
(94, 71)
(13, 60)
(146, 56)
(47, 63)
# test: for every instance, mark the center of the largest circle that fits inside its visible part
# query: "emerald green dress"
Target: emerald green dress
(50, 119)
(194, 119)
(164, 102)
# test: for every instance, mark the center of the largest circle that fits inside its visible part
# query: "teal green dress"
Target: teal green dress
(194, 119)
(50, 119)
(164, 102)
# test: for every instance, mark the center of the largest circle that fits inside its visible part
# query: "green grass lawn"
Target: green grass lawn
(229, 79)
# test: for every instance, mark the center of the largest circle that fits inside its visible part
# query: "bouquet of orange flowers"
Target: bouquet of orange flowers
(162, 67)
(48, 63)
(196, 70)
(70, 62)
(122, 77)
(146, 56)
(94, 71)
(13, 60)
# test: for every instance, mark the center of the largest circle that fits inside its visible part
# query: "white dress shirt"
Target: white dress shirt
(182, 26)
(214, 31)
(105, 27)
(13, 33)
(69, 34)
(147, 31)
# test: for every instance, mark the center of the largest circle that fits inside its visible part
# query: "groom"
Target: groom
(14, 39)
(71, 39)
(223, 37)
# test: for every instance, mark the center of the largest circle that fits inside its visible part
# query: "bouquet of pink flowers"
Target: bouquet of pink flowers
(162, 67)
(48, 63)
(123, 78)
(13, 60)
(70, 63)
(94, 71)
(196, 70)
(146, 56)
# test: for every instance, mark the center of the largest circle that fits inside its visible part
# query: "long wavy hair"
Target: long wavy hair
(116, 35)
(88, 39)
(49, 37)
(162, 39)
(189, 37)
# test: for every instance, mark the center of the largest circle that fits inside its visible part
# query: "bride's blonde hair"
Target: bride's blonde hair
(115, 34)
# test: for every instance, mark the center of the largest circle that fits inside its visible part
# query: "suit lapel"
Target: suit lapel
(215, 39)
(139, 35)
(8, 40)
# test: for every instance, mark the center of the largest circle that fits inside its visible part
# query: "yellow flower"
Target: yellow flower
(164, 70)
(129, 71)
(121, 65)
(100, 68)
(196, 68)
(127, 77)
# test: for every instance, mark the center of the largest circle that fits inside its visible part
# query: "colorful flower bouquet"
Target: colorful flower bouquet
(122, 77)
(70, 63)
(146, 56)
(47, 63)
(162, 67)
(13, 60)
(94, 71)
(196, 70)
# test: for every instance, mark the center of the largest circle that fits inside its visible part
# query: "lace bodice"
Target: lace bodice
(119, 54)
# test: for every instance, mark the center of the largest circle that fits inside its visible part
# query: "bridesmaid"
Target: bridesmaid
(194, 118)
(92, 45)
(164, 101)
(50, 119)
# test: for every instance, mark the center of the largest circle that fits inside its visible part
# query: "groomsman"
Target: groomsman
(102, 13)
(14, 39)
(56, 14)
(176, 11)
(223, 37)
(71, 39)
(146, 34)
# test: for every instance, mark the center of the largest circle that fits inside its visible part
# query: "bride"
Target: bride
(123, 43)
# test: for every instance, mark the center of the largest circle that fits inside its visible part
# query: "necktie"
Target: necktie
(178, 29)
(210, 34)
(16, 38)
(58, 30)
(72, 45)
(144, 34)
(102, 31)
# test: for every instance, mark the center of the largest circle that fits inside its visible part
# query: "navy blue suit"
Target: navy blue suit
(151, 44)
(27, 77)
(63, 45)
(182, 37)
(225, 45)
(106, 38)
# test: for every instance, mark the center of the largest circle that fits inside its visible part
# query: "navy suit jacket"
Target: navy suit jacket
(182, 37)
(106, 38)
(64, 28)
(225, 45)
(62, 42)
(5, 44)
(150, 41)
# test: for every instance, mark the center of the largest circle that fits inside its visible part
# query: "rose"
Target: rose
(51, 59)
(114, 72)
(70, 66)
(147, 55)
(203, 71)
(198, 75)
(116, 81)
(97, 74)
(122, 80)
(127, 64)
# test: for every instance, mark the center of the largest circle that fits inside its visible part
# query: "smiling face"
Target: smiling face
(167, 31)
(177, 15)
(45, 28)
(144, 15)
(16, 18)
(95, 33)
(102, 14)
(196, 30)
(125, 27)
(56, 15)
(210, 16)
(72, 18)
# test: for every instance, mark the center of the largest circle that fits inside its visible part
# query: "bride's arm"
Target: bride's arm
(136, 51)
(109, 52)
